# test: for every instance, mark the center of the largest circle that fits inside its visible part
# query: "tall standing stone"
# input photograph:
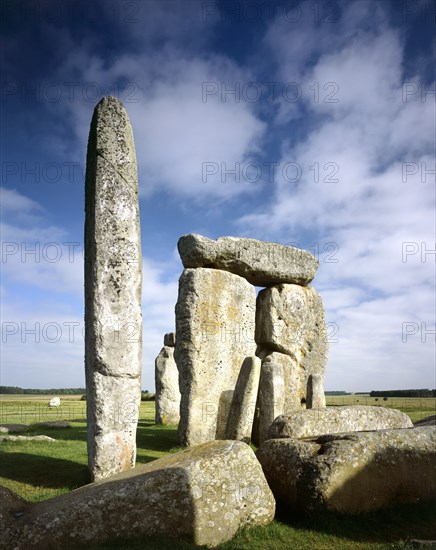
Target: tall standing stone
(167, 384)
(215, 317)
(113, 280)
(290, 320)
(241, 415)
(270, 399)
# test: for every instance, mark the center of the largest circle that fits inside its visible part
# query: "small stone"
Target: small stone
(13, 428)
(53, 424)
(170, 339)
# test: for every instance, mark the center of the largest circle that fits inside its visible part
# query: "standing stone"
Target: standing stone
(215, 316)
(167, 386)
(290, 320)
(315, 392)
(271, 398)
(170, 339)
(113, 278)
(240, 419)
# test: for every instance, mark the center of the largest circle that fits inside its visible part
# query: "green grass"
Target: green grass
(37, 471)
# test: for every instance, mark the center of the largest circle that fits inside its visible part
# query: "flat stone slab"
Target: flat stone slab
(354, 472)
(261, 263)
(13, 428)
(332, 420)
(61, 424)
(207, 493)
(45, 438)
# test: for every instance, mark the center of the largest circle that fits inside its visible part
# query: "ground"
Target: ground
(37, 471)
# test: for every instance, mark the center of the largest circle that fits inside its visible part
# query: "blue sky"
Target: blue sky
(309, 122)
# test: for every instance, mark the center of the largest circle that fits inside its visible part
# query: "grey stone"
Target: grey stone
(170, 339)
(271, 397)
(113, 278)
(315, 392)
(290, 320)
(206, 493)
(241, 415)
(11, 507)
(13, 428)
(354, 472)
(261, 263)
(167, 387)
(61, 424)
(44, 438)
(331, 420)
(215, 316)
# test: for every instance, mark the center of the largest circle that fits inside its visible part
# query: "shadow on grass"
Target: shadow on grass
(43, 471)
(65, 434)
(401, 522)
(154, 437)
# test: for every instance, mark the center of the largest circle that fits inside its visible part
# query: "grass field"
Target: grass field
(37, 471)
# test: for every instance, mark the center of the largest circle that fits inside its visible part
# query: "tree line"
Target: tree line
(404, 393)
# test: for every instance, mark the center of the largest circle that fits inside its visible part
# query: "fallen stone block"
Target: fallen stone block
(206, 492)
(354, 472)
(332, 420)
(61, 424)
(261, 263)
(45, 438)
(13, 428)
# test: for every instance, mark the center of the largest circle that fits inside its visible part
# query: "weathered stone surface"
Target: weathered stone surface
(261, 263)
(215, 316)
(167, 387)
(332, 420)
(270, 399)
(207, 492)
(315, 392)
(11, 507)
(352, 473)
(290, 320)
(13, 428)
(113, 277)
(44, 438)
(240, 418)
(170, 339)
(55, 402)
(294, 379)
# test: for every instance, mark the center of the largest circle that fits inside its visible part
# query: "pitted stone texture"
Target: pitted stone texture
(270, 399)
(315, 392)
(167, 387)
(331, 420)
(290, 319)
(240, 418)
(113, 277)
(215, 316)
(294, 379)
(352, 473)
(10, 506)
(207, 493)
(261, 263)
(113, 415)
(170, 339)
